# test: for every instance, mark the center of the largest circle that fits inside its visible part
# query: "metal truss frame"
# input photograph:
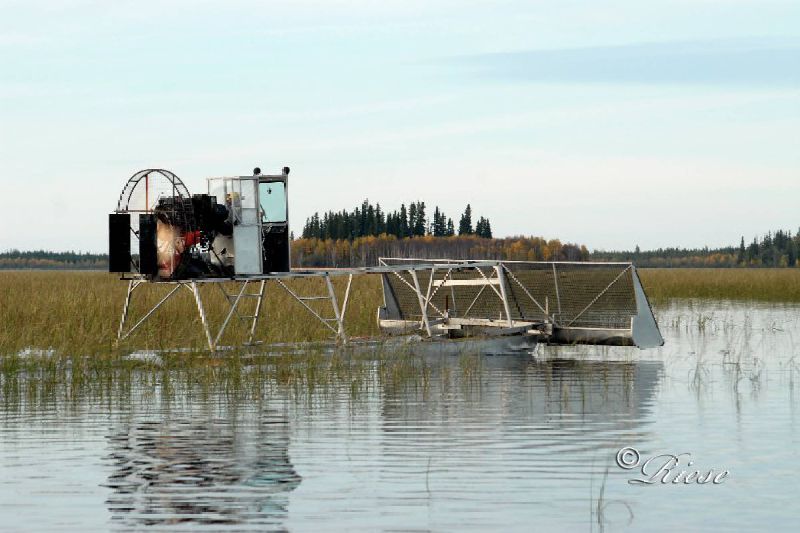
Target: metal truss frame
(494, 275)
(496, 281)
(243, 291)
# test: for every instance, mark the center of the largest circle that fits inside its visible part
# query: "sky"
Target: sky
(605, 123)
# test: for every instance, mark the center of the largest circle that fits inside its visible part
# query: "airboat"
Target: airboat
(237, 235)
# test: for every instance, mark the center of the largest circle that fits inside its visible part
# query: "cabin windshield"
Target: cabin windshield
(272, 197)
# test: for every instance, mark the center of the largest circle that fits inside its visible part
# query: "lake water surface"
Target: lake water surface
(516, 442)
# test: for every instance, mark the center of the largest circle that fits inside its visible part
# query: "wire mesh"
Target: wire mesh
(150, 189)
(587, 295)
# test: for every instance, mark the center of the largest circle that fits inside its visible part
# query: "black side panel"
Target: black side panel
(119, 242)
(148, 257)
(275, 245)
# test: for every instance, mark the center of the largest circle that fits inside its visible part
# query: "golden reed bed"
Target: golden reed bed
(79, 311)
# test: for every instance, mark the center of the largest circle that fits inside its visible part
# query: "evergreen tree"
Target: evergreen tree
(357, 223)
(483, 228)
(412, 221)
(752, 251)
(402, 230)
(465, 224)
(439, 223)
(391, 224)
(372, 221)
(740, 256)
(380, 220)
(412, 218)
(420, 222)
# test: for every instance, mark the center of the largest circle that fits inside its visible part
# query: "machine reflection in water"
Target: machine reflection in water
(176, 470)
(581, 391)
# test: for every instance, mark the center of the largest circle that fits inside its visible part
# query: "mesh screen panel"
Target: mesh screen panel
(587, 295)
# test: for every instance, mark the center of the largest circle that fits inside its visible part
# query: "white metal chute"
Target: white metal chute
(645, 328)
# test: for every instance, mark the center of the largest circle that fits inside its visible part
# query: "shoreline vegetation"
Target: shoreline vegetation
(78, 312)
(320, 247)
(779, 285)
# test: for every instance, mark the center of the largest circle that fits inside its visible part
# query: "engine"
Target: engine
(239, 228)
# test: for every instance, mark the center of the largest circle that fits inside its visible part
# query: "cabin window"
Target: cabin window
(272, 197)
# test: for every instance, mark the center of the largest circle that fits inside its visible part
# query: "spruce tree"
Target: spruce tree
(740, 256)
(465, 224)
(380, 220)
(402, 230)
(483, 228)
(439, 223)
(419, 222)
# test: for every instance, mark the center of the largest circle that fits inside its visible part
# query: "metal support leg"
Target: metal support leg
(257, 312)
(422, 303)
(430, 286)
(304, 304)
(504, 295)
(233, 305)
(346, 295)
(201, 310)
(558, 293)
(340, 335)
(153, 310)
(132, 284)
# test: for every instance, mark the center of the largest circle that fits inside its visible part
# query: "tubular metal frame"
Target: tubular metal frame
(498, 281)
(213, 337)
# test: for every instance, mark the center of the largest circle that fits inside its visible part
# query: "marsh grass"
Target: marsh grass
(57, 345)
(77, 313)
(313, 377)
(756, 284)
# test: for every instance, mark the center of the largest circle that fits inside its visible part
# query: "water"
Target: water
(502, 443)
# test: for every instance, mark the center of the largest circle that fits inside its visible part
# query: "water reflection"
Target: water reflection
(526, 388)
(392, 441)
(530, 435)
(176, 470)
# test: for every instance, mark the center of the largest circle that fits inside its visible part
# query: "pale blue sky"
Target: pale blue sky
(610, 124)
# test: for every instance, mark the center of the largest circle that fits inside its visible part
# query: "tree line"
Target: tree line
(365, 251)
(774, 249)
(43, 259)
(372, 221)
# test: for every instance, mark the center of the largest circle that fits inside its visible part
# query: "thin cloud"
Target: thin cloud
(741, 63)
